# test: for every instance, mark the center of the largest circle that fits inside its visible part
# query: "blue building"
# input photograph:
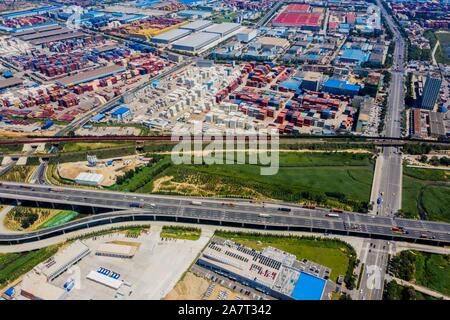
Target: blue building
(339, 87)
(121, 114)
(354, 56)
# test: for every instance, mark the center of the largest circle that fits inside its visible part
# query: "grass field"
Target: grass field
(331, 179)
(85, 146)
(333, 254)
(60, 218)
(184, 233)
(429, 189)
(13, 265)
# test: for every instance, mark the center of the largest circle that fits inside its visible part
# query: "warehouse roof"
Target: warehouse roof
(48, 33)
(171, 35)
(105, 280)
(91, 75)
(334, 83)
(120, 111)
(58, 38)
(38, 286)
(197, 25)
(10, 82)
(354, 54)
(223, 28)
(197, 39)
(89, 177)
(61, 260)
(272, 41)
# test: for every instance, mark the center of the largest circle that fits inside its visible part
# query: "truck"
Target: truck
(337, 210)
(136, 205)
(265, 215)
(309, 206)
(196, 203)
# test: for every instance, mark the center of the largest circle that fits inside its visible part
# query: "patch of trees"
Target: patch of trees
(405, 265)
(26, 217)
(394, 291)
(419, 148)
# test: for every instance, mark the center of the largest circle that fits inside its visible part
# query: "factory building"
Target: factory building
(63, 260)
(246, 35)
(89, 179)
(170, 36)
(197, 25)
(431, 92)
(87, 76)
(121, 114)
(339, 87)
(195, 42)
(272, 271)
(311, 81)
(223, 29)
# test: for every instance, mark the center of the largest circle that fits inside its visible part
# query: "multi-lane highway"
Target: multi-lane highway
(212, 211)
(388, 183)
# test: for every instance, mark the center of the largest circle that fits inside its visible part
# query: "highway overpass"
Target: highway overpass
(241, 213)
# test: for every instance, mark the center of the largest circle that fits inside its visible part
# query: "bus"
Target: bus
(196, 203)
(332, 215)
(265, 215)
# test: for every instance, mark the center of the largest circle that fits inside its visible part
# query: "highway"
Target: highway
(213, 211)
(389, 179)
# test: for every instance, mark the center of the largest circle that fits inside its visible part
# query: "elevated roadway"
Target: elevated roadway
(242, 213)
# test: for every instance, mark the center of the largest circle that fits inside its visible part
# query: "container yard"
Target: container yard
(53, 73)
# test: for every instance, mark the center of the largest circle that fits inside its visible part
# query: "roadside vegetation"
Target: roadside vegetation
(426, 194)
(335, 254)
(14, 265)
(429, 270)
(333, 179)
(179, 232)
(18, 173)
(394, 291)
(27, 218)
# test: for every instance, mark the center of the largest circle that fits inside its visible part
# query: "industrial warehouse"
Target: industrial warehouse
(271, 271)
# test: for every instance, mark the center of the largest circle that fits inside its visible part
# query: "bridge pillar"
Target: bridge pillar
(37, 204)
(53, 205)
(93, 210)
(132, 217)
(198, 220)
(73, 208)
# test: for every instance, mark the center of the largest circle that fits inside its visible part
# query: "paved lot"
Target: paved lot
(150, 274)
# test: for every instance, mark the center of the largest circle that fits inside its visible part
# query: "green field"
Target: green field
(426, 191)
(13, 265)
(444, 40)
(327, 178)
(59, 218)
(85, 146)
(334, 254)
(184, 233)
(429, 270)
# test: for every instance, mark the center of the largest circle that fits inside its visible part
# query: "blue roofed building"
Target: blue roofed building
(355, 56)
(340, 87)
(121, 114)
(308, 287)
